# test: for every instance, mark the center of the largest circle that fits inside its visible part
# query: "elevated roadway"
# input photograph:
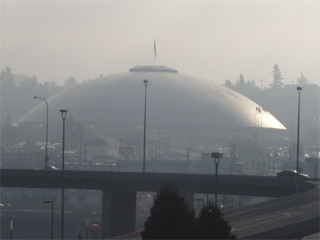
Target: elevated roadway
(289, 217)
(119, 195)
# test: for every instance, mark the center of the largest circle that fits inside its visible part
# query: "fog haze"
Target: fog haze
(122, 135)
(216, 40)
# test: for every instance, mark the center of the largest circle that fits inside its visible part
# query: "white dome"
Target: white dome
(172, 98)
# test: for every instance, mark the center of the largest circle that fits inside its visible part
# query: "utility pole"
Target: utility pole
(144, 125)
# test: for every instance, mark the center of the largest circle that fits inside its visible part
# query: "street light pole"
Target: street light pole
(64, 115)
(298, 143)
(11, 229)
(144, 126)
(216, 161)
(51, 202)
(216, 157)
(46, 153)
(87, 228)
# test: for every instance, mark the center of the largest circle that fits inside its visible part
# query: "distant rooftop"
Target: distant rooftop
(153, 69)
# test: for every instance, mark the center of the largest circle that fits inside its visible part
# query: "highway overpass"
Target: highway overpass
(289, 217)
(119, 195)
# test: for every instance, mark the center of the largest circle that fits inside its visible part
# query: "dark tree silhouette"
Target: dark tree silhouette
(241, 83)
(277, 77)
(229, 84)
(171, 217)
(211, 225)
(302, 80)
(17, 91)
(70, 82)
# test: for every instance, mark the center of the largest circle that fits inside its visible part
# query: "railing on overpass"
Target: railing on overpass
(132, 181)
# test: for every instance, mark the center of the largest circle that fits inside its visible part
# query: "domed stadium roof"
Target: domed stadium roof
(172, 98)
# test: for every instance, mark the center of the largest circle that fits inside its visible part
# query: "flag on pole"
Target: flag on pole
(258, 109)
(155, 48)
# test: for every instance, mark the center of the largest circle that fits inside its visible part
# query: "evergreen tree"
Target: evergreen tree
(7, 80)
(277, 77)
(8, 94)
(211, 225)
(241, 83)
(70, 82)
(229, 84)
(252, 84)
(170, 217)
(302, 80)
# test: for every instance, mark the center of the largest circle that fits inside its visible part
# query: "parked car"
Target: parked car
(291, 174)
(50, 168)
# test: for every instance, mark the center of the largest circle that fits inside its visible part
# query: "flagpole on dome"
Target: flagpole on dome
(154, 50)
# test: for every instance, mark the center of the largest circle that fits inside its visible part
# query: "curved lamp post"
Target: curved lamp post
(46, 153)
(298, 143)
(64, 115)
(144, 126)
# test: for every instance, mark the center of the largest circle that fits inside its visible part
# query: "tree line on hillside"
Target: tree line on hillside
(245, 87)
(17, 91)
(281, 100)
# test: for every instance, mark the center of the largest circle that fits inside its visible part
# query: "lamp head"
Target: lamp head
(145, 82)
(40, 98)
(216, 155)
(299, 88)
(64, 113)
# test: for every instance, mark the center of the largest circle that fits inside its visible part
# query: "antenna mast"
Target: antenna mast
(154, 50)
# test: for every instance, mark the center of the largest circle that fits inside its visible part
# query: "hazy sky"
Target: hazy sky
(213, 39)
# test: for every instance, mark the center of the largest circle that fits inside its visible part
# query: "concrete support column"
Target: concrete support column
(118, 213)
